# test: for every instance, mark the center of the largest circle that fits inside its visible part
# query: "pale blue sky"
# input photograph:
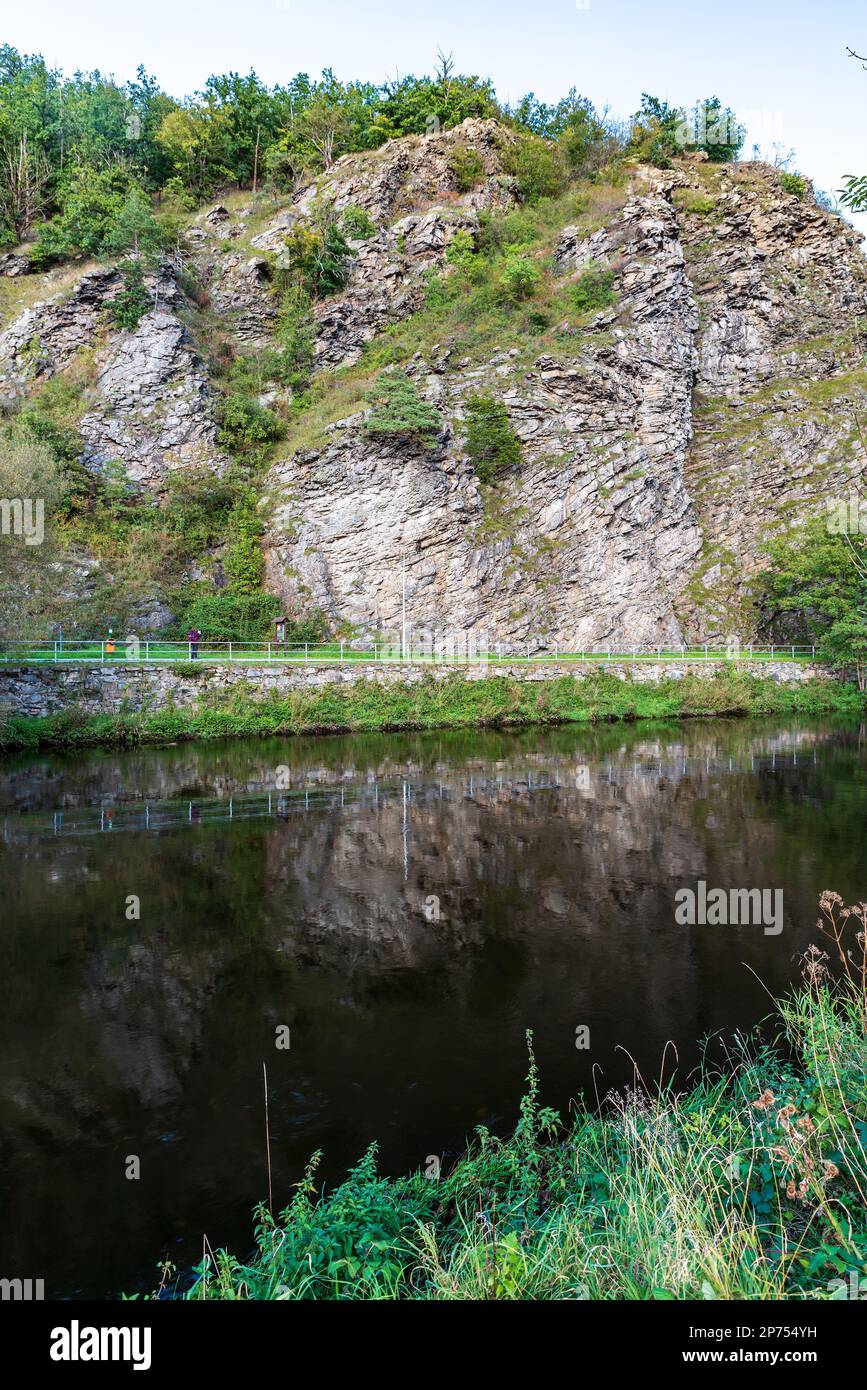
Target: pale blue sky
(781, 64)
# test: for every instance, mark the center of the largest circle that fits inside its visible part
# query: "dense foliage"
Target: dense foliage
(818, 577)
(491, 442)
(82, 157)
(401, 412)
(749, 1184)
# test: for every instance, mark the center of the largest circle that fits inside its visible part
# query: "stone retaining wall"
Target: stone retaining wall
(45, 690)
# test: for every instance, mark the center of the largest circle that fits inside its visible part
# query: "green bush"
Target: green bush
(229, 616)
(466, 167)
(399, 411)
(520, 276)
(795, 184)
(245, 563)
(247, 428)
(491, 443)
(358, 224)
(537, 166)
(133, 301)
(316, 259)
(593, 290)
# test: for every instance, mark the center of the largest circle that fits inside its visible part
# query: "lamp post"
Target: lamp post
(403, 612)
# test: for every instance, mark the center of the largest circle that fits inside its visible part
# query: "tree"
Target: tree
(316, 259)
(660, 131)
(326, 126)
(492, 444)
(24, 177)
(134, 230)
(819, 573)
(92, 200)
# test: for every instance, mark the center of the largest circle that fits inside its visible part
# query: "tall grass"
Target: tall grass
(454, 702)
(750, 1185)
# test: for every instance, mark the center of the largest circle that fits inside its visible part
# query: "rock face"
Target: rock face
(155, 410)
(596, 529)
(660, 449)
(44, 339)
(719, 394)
(409, 189)
(150, 405)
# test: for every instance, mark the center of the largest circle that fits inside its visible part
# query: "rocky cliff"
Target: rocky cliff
(713, 398)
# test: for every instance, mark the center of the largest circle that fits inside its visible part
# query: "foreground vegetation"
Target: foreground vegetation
(751, 1185)
(367, 706)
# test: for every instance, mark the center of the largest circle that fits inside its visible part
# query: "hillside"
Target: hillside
(617, 395)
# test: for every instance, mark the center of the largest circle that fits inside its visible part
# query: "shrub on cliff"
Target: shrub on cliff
(400, 412)
(817, 575)
(316, 258)
(491, 443)
(594, 290)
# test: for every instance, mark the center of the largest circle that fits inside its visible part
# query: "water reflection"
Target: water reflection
(291, 883)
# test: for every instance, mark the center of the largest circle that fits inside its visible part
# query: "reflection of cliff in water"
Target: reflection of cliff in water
(554, 858)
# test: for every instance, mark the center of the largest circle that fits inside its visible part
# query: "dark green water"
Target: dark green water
(297, 897)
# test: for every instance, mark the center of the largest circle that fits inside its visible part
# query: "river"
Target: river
(396, 908)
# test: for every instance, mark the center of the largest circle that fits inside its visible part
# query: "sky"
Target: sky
(780, 64)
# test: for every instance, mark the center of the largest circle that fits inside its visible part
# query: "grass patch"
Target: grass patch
(451, 702)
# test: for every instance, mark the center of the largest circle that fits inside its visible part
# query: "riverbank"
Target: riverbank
(750, 1185)
(196, 710)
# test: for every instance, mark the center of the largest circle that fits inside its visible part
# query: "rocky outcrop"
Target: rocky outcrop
(403, 188)
(716, 399)
(156, 410)
(386, 282)
(589, 539)
(407, 175)
(720, 394)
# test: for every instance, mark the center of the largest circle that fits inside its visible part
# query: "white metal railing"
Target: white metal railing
(151, 651)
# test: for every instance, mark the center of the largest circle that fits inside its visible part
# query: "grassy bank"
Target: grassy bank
(751, 1185)
(497, 701)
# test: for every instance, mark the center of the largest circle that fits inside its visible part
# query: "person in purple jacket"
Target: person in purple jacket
(194, 637)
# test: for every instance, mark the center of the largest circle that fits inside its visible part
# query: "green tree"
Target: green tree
(31, 495)
(818, 573)
(316, 258)
(92, 201)
(134, 230)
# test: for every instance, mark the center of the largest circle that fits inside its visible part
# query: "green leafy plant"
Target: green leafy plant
(317, 259)
(795, 184)
(357, 223)
(466, 167)
(133, 300)
(400, 412)
(248, 429)
(593, 290)
(520, 275)
(491, 443)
